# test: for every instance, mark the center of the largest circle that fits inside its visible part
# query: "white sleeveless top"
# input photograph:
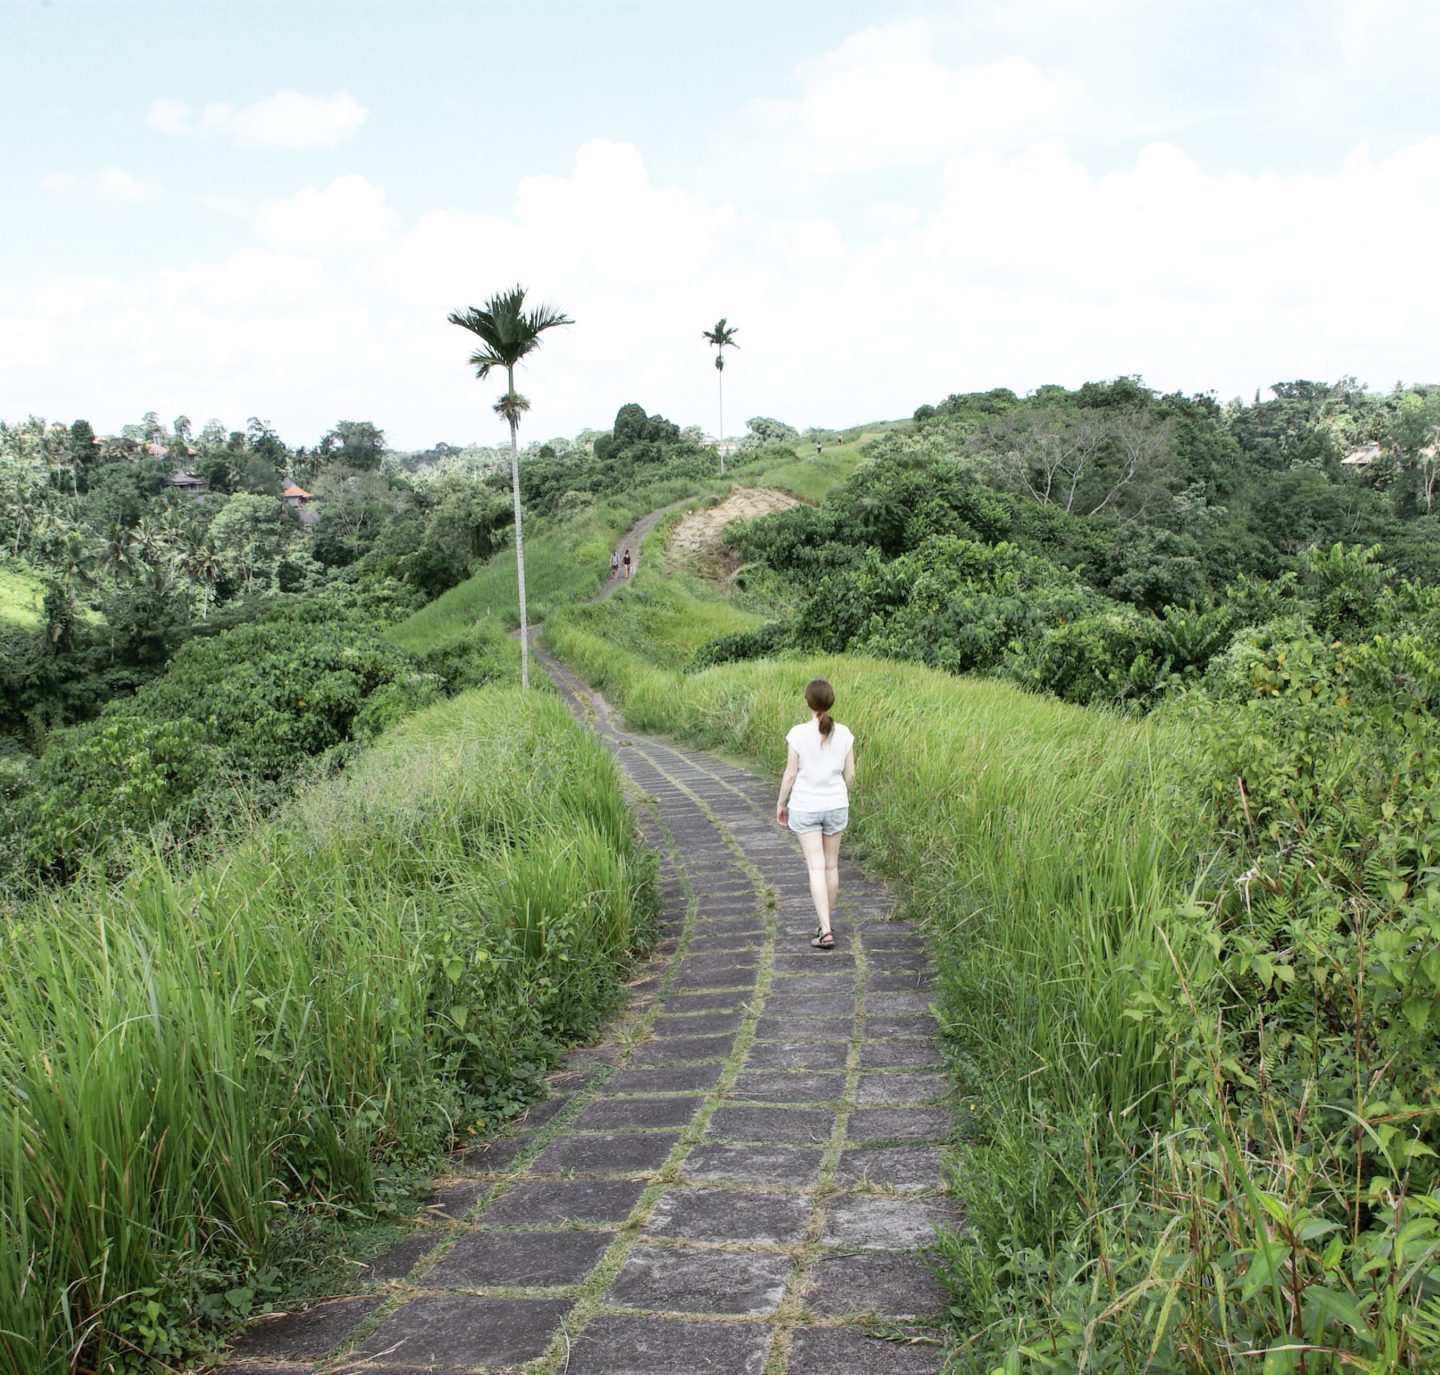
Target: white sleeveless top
(820, 784)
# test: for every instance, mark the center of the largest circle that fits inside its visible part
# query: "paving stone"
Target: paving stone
(716, 1163)
(776, 1086)
(453, 1200)
(900, 1054)
(900, 981)
(891, 1167)
(631, 1114)
(667, 1079)
(837, 981)
(899, 1124)
(791, 1054)
(679, 1019)
(731, 933)
(890, 1284)
(883, 1221)
(696, 1024)
(592, 1055)
(700, 958)
(667, 1346)
(400, 1259)
(674, 1049)
(665, 1279)
(710, 909)
(577, 1080)
(800, 1006)
(306, 1335)
(887, 1027)
(897, 963)
(518, 1260)
(732, 976)
(899, 1004)
(544, 1202)
(631, 1153)
(725, 1215)
(491, 1157)
(848, 1351)
(803, 1125)
(874, 1089)
(805, 958)
(464, 1332)
(896, 937)
(539, 1114)
(680, 1003)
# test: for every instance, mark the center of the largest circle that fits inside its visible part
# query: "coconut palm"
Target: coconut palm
(507, 334)
(721, 336)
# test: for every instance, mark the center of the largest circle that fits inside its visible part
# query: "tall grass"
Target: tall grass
(393, 960)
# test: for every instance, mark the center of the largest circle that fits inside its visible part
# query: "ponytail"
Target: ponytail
(820, 697)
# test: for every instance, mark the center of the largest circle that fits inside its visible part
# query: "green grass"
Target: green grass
(22, 596)
(187, 1057)
(810, 477)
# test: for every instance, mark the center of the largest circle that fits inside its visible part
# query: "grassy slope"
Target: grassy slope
(566, 561)
(395, 949)
(22, 593)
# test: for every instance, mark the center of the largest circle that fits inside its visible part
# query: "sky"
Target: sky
(235, 208)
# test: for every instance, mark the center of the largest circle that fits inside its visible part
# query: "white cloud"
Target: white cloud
(169, 116)
(886, 98)
(348, 218)
(1031, 269)
(287, 122)
(108, 186)
(290, 122)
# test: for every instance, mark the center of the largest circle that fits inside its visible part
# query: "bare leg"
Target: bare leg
(812, 843)
(832, 868)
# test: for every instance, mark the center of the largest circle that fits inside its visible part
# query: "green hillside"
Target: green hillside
(22, 595)
(1158, 778)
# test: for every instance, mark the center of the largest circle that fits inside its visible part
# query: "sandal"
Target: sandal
(823, 940)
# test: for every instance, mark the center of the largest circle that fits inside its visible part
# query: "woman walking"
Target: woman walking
(626, 562)
(815, 799)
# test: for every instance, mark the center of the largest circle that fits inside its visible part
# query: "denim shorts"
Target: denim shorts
(831, 821)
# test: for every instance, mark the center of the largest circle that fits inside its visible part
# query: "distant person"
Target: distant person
(815, 800)
(614, 563)
(626, 562)
(818, 447)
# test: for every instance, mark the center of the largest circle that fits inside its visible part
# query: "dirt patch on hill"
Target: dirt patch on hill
(697, 542)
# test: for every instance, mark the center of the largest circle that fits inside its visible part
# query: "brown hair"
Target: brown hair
(820, 697)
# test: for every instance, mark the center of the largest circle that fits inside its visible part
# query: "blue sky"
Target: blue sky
(234, 209)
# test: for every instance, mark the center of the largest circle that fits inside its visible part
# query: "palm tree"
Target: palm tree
(507, 333)
(720, 336)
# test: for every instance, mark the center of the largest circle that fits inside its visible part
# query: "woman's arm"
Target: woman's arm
(850, 768)
(792, 769)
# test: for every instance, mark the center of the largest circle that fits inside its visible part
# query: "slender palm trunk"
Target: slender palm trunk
(720, 382)
(519, 537)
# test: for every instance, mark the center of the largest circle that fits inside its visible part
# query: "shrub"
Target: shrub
(763, 642)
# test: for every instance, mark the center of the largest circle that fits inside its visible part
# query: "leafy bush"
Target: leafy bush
(761, 643)
(243, 709)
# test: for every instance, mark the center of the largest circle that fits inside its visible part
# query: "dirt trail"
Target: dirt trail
(698, 540)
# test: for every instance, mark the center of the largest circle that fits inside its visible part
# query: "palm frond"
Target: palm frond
(506, 329)
(511, 407)
(722, 336)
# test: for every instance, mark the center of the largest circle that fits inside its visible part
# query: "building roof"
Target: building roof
(295, 491)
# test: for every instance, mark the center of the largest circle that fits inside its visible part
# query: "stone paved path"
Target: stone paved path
(735, 1180)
